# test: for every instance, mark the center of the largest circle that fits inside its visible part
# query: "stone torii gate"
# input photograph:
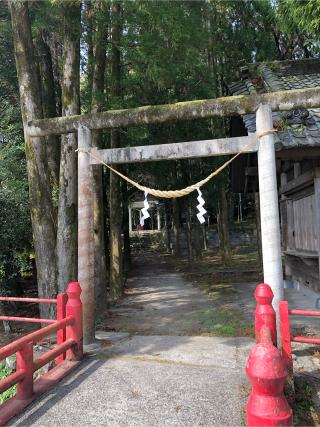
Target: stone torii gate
(262, 105)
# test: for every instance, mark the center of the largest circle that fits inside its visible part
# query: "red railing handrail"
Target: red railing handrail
(69, 350)
(307, 340)
(34, 337)
(287, 337)
(37, 300)
(26, 319)
(11, 380)
(60, 298)
(304, 312)
(52, 354)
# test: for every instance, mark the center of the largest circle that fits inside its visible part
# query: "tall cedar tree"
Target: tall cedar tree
(116, 260)
(43, 227)
(99, 46)
(67, 210)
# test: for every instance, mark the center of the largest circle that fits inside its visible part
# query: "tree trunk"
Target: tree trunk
(6, 324)
(48, 95)
(116, 279)
(204, 237)
(99, 40)
(231, 208)
(189, 232)
(223, 226)
(167, 226)
(125, 227)
(56, 50)
(197, 239)
(176, 227)
(68, 191)
(44, 233)
(89, 22)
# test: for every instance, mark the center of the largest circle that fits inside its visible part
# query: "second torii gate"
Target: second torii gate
(262, 105)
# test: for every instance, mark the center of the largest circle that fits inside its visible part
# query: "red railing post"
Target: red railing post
(24, 362)
(74, 331)
(61, 314)
(285, 334)
(267, 405)
(265, 314)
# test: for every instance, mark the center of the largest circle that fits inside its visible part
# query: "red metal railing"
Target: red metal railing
(287, 337)
(68, 351)
(57, 301)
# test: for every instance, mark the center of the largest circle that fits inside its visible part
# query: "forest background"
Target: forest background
(60, 58)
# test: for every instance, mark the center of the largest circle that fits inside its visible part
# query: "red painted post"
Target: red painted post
(265, 314)
(24, 362)
(285, 335)
(61, 314)
(74, 331)
(267, 405)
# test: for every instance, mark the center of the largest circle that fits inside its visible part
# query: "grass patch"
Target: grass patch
(304, 411)
(5, 372)
(244, 260)
(218, 282)
(224, 322)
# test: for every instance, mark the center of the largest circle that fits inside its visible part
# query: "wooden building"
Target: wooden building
(298, 163)
(135, 206)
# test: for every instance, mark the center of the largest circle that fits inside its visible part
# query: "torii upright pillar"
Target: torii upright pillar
(85, 235)
(269, 207)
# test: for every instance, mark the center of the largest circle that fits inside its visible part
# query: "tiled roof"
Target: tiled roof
(295, 128)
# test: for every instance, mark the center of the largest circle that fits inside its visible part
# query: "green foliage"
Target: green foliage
(15, 227)
(5, 372)
(305, 14)
(298, 25)
(304, 408)
(14, 203)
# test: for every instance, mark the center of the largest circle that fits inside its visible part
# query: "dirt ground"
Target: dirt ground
(159, 300)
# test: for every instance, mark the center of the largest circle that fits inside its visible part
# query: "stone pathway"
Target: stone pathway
(151, 381)
(154, 373)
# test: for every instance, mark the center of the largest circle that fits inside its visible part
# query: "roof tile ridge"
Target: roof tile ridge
(250, 86)
(271, 80)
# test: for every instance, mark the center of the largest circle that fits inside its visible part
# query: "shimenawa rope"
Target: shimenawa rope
(172, 194)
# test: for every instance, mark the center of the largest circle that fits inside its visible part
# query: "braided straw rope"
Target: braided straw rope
(172, 194)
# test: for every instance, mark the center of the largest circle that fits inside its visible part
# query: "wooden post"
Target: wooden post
(85, 235)
(269, 211)
(24, 362)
